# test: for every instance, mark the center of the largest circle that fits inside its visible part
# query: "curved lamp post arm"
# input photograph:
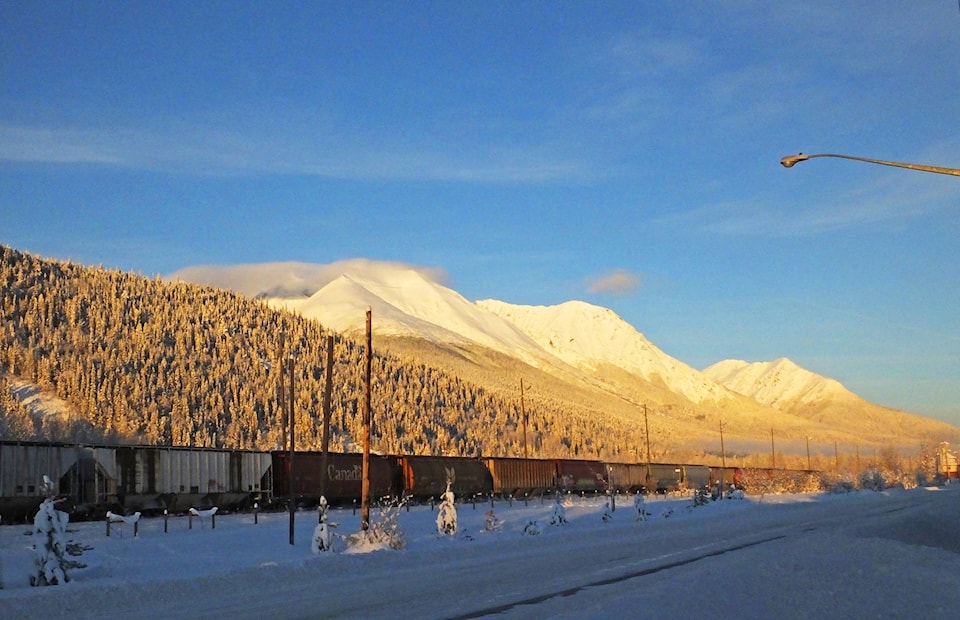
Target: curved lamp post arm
(790, 160)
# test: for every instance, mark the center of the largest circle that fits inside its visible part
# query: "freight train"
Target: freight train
(91, 479)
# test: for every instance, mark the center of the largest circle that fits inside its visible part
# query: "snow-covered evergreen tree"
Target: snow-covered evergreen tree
(49, 542)
(322, 540)
(640, 505)
(559, 516)
(447, 515)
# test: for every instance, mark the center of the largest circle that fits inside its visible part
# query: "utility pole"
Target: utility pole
(365, 484)
(293, 496)
(773, 451)
(283, 395)
(808, 453)
(723, 462)
(646, 428)
(327, 389)
(523, 419)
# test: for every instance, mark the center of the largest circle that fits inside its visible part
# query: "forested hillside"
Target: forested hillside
(141, 360)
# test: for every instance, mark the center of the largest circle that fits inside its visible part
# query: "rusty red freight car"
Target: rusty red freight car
(343, 476)
(427, 476)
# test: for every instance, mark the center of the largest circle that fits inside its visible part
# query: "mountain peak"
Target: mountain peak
(782, 383)
(296, 280)
(590, 337)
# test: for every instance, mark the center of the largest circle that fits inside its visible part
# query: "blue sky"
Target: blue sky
(622, 153)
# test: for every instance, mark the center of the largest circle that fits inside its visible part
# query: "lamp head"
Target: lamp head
(790, 160)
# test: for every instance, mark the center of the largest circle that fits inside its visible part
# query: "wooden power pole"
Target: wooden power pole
(523, 419)
(646, 427)
(293, 496)
(325, 441)
(365, 485)
(723, 463)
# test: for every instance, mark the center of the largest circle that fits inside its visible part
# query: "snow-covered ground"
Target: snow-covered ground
(864, 555)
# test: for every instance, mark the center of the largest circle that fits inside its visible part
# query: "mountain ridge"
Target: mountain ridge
(586, 346)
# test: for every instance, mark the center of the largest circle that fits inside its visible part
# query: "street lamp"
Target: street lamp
(791, 160)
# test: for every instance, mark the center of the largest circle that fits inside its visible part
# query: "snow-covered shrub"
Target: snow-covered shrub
(532, 528)
(491, 522)
(873, 480)
(559, 515)
(763, 481)
(447, 515)
(50, 545)
(607, 513)
(383, 533)
(701, 497)
(838, 485)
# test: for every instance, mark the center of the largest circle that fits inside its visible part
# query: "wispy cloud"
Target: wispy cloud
(616, 282)
(47, 145)
(237, 148)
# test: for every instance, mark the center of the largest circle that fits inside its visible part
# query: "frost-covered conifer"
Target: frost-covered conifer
(559, 516)
(49, 542)
(321, 533)
(447, 515)
(640, 504)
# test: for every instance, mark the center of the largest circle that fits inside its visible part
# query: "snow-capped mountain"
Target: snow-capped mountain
(796, 391)
(781, 383)
(575, 343)
(406, 302)
(589, 337)
(409, 302)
